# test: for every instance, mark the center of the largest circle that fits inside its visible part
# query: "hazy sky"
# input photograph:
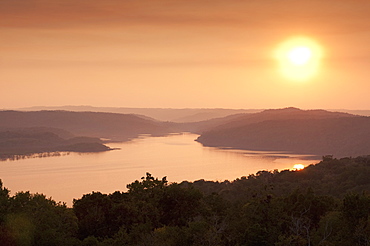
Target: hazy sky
(180, 53)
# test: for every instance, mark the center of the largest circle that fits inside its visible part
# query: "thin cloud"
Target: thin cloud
(338, 16)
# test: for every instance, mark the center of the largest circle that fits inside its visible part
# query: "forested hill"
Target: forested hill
(24, 142)
(323, 204)
(290, 113)
(315, 132)
(93, 124)
(243, 119)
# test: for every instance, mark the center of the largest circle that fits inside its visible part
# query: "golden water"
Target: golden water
(178, 157)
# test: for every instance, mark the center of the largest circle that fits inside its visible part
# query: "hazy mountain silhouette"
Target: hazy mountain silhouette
(26, 141)
(355, 112)
(112, 126)
(184, 115)
(237, 120)
(34, 130)
(205, 125)
(316, 132)
(161, 114)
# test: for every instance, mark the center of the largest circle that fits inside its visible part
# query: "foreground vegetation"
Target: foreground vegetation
(323, 204)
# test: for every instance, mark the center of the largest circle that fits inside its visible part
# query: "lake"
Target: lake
(176, 156)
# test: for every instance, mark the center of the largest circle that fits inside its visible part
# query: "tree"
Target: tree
(92, 211)
(34, 219)
(4, 201)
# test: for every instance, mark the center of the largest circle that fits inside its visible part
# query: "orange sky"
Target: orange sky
(180, 53)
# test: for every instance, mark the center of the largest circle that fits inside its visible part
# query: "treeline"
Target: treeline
(323, 204)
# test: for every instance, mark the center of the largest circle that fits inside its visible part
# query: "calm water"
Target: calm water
(178, 157)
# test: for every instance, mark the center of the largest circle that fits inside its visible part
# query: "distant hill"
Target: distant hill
(281, 114)
(34, 130)
(118, 127)
(161, 114)
(355, 112)
(237, 120)
(27, 141)
(316, 132)
(205, 125)
(178, 115)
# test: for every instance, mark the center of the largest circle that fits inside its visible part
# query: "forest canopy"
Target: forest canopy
(324, 204)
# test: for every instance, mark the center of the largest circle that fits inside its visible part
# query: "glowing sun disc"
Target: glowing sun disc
(299, 58)
(298, 167)
(299, 55)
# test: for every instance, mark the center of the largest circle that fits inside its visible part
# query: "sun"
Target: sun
(299, 58)
(298, 167)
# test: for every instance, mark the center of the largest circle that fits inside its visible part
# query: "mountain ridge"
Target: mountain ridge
(114, 126)
(317, 132)
(25, 142)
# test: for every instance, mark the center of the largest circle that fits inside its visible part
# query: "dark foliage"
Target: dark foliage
(323, 204)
